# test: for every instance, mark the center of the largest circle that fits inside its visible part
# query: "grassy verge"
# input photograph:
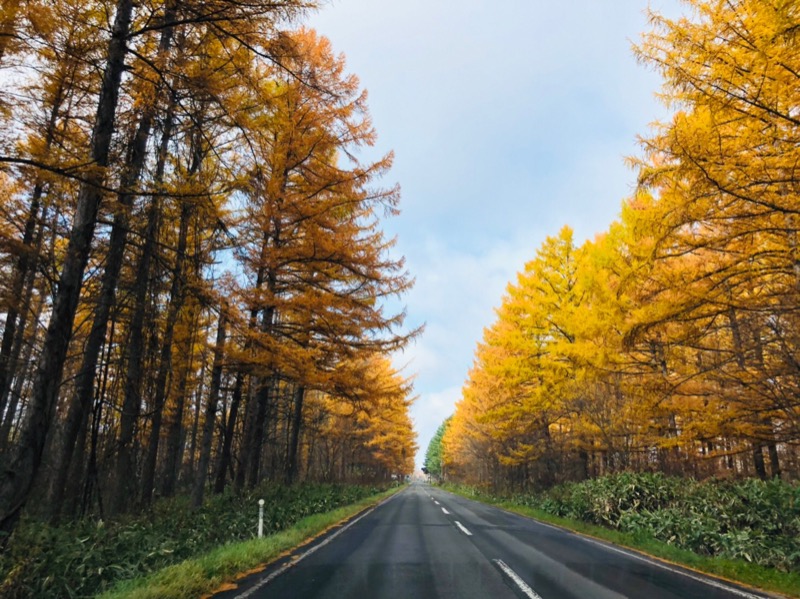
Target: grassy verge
(205, 574)
(768, 579)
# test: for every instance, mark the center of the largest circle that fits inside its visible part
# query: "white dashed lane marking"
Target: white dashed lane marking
(521, 584)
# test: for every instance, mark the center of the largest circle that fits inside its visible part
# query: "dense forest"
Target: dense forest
(194, 280)
(670, 341)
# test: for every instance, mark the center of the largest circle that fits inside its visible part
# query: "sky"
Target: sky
(509, 119)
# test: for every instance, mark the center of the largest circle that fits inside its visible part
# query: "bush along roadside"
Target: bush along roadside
(84, 558)
(738, 524)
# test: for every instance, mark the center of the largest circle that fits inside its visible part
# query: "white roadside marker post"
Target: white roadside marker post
(260, 518)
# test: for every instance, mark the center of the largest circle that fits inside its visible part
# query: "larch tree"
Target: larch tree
(723, 171)
(318, 264)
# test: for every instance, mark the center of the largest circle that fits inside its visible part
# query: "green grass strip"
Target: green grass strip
(207, 573)
(739, 571)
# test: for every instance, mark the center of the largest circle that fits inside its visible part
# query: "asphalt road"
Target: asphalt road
(427, 543)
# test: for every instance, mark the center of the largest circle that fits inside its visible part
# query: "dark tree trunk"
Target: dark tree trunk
(174, 428)
(246, 452)
(210, 416)
(22, 368)
(294, 442)
(75, 480)
(132, 402)
(77, 471)
(176, 301)
(774, 462)
(263, 398)
(247, 434)
(230, 427)
(25, 263)
(188, 472)
(90, 487)
(165, 358)
(11, 396)
(17, 478)
(758, 460)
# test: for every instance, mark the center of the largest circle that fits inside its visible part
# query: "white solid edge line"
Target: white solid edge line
(304, 555)
(463, 528)
(658, 563)
(445, 511)
(517, 580)
(708, 581)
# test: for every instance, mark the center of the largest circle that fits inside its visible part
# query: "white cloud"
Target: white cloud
(509, 119)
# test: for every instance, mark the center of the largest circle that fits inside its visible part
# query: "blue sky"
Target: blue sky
(509, 119)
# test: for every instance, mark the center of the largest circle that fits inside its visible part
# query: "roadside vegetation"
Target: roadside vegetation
(86, 557)
(747, 530)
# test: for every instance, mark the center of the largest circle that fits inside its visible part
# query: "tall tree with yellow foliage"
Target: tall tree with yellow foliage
(318, 266)
(724, 172)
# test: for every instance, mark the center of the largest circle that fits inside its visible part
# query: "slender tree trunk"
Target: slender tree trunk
(230, 427)
(263, 398)
(75, 481)
(85, 475)
(294, 442)
(165, 358)
(176, 302)
(132, 401)
(174, 428)
(772, 446)
(188, 473)
(248, 430)
(91, 485)
(21, 368)
(221, 426)
(264, 394)
(758, 460)
(77, 470)
(25, 263)
(774, 462)
(246, 454)
(210, 416)
(310, 461)
(17, 478)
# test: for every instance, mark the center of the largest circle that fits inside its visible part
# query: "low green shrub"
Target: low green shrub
(607, 499)
(83, 558)
(753, 520)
